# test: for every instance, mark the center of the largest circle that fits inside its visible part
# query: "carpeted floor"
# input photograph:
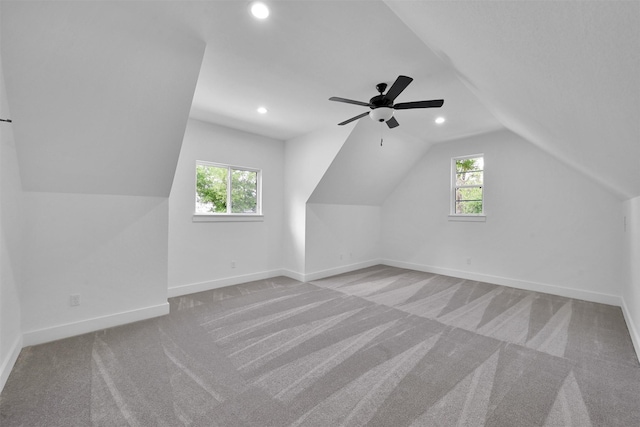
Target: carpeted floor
(381, 346)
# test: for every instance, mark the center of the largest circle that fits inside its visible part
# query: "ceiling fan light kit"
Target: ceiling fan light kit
(382, 106)
(381, 114)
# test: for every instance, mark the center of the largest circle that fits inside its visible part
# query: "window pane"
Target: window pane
(468, 207)
(469, 178)
(469, 171)
(211, 189)
(244, 191)
(469, 194)
(473, 164)
(469, 200)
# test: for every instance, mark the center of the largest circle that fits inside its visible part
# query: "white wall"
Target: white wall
(568, 85)
(112, 250)
(10, 243)
(631, 288)
(342, 219)
(548, 227)
(97, 89)
(307, 158)
(364, 172)
(200, 253)
(341, 238)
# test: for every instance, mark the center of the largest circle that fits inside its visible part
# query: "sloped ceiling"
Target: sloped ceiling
(369, 166)
(99, 96)
(96, 89)
(308, 51)
(564, 75)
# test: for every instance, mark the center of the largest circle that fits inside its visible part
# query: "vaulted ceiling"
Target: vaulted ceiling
(101, 86)
(564, 75)
(99, 98)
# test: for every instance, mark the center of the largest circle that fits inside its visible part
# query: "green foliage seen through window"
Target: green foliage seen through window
(468, 187)
(212, 190)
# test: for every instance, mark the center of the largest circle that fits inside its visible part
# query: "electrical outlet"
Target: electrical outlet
(468, 261)
(233, 264)
(74, 300)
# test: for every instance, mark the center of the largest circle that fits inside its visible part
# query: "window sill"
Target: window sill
(227, 218)
(468, 218)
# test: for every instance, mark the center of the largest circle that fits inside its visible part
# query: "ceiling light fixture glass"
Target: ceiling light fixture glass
(259, 10)
(262, 110)
(440, 120)
(381, 114)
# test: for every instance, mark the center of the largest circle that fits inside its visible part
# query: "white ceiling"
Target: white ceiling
(564, 75)
(99, 98)
(308, 51)
(369, 166)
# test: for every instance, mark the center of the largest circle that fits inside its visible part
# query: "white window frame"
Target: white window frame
(453, 216)
(228, 216)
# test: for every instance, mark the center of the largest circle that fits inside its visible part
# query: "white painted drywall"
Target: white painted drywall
(563, 74)
(342, 222)
(10, 242)
(200, 253)
(548, 227)
(366, 170)
(111, 250)
(97, 90)
(306, 161)
(341, 238)
(631, 287)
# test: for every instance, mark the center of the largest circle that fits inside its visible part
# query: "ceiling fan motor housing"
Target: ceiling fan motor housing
(380, 101)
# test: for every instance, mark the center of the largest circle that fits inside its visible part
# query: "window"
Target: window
(227, 190)
(467, 178)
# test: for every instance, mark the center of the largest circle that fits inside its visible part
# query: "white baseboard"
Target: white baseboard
(67, 330)
(513, 283)
(6, 365)
(292, 274)
(633, 331)
(339, 270)
(193, 288)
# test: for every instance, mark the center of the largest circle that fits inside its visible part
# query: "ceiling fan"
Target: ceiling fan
(382, 106)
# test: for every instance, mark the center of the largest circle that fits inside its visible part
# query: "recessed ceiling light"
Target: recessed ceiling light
(262, 110)
(259, 10)
(440, 120)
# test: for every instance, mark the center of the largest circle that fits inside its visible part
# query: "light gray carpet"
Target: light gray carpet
(380, 347)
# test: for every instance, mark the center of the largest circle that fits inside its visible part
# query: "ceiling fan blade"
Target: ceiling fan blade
(392, 123)
(434, 103)
(349, 101)
(359, 116)
(398, 86)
